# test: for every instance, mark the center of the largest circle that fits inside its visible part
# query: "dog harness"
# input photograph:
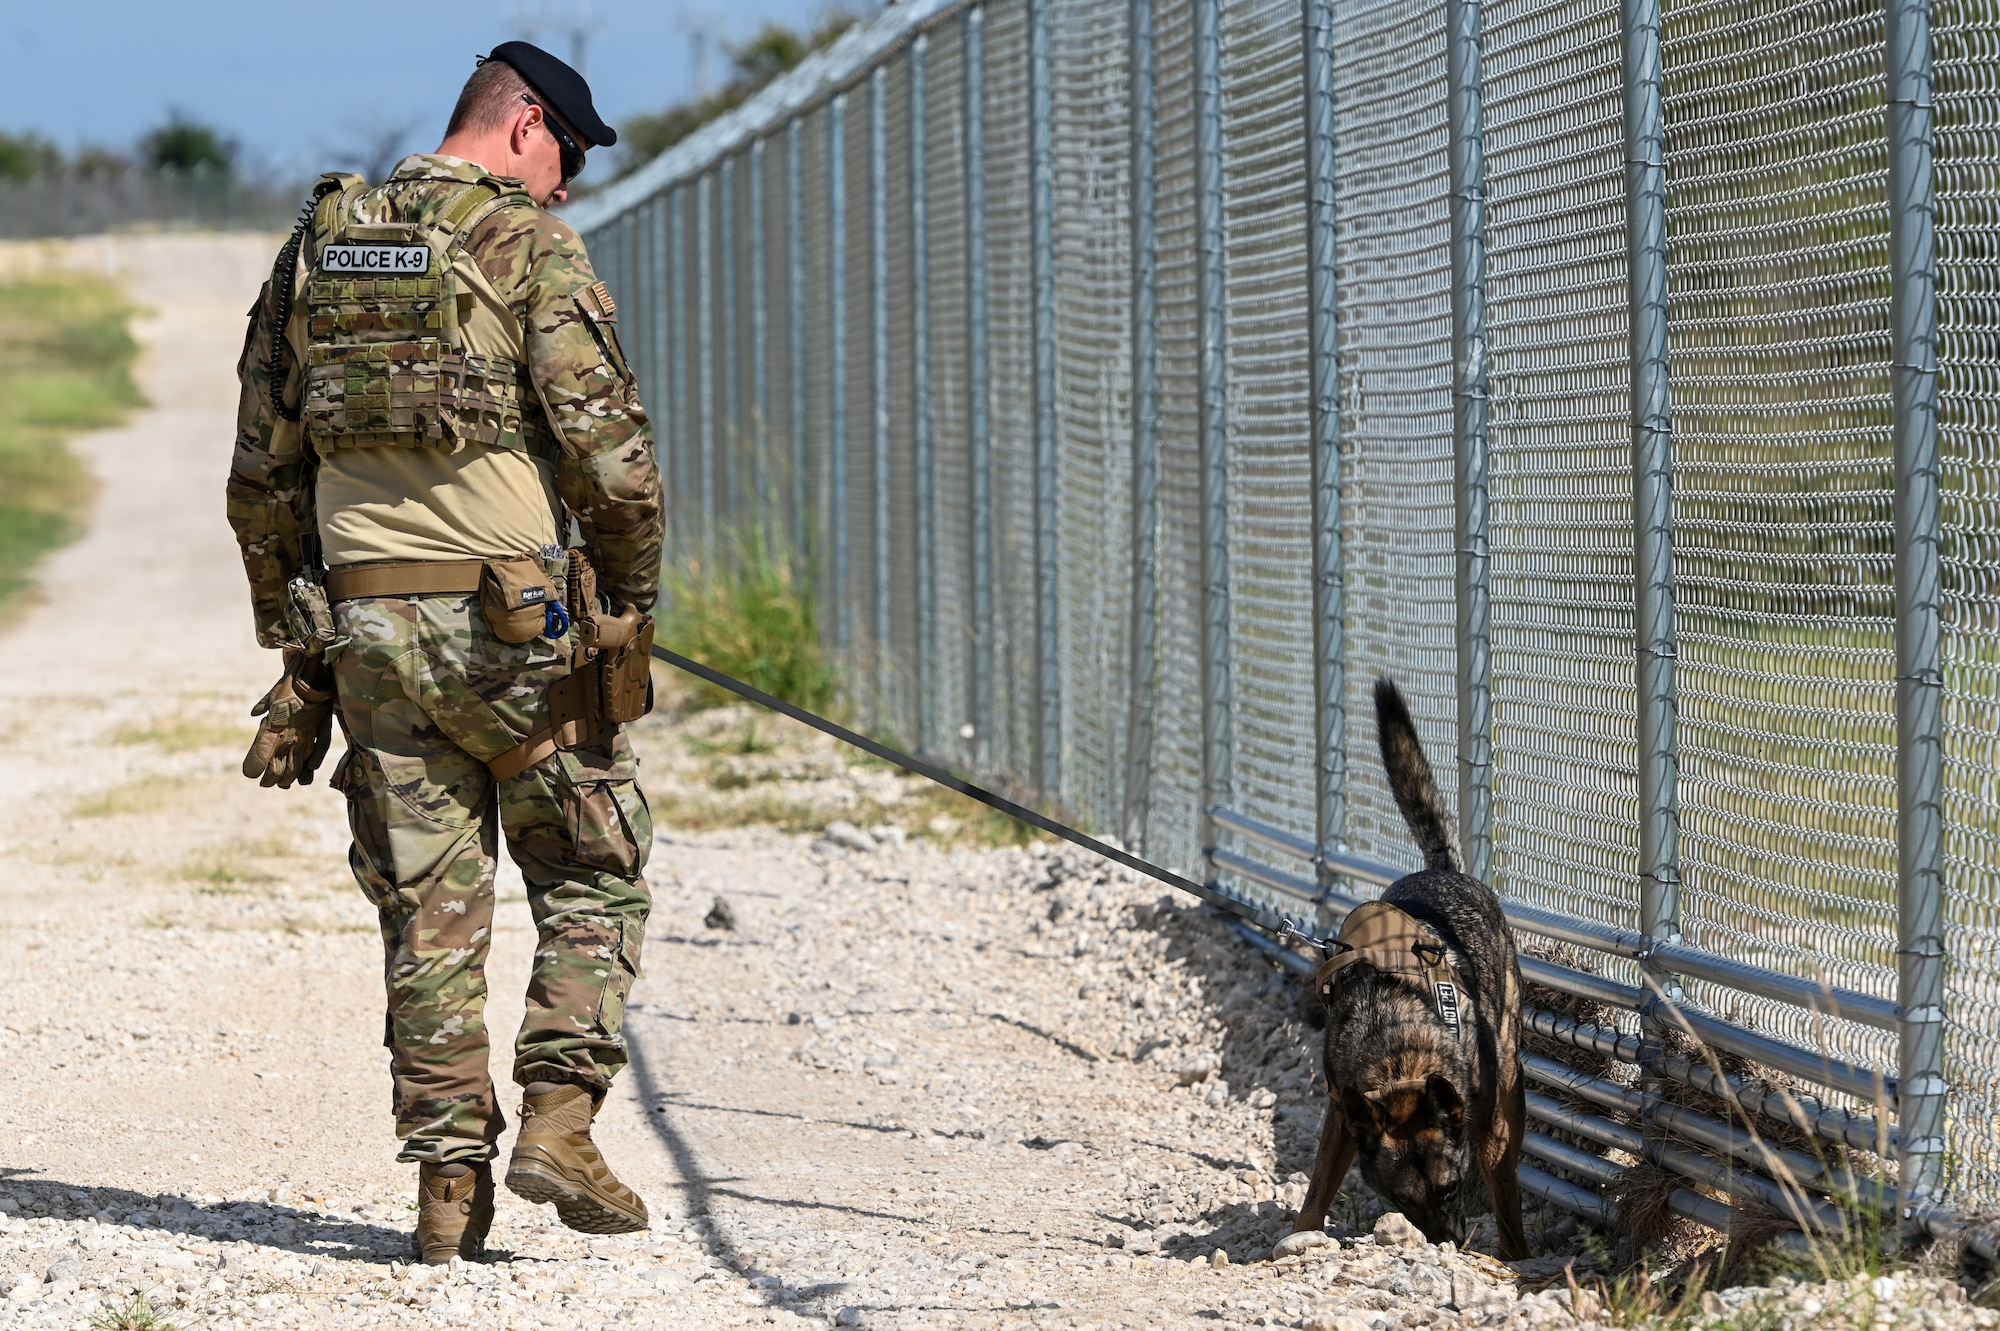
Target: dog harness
(1386, 938)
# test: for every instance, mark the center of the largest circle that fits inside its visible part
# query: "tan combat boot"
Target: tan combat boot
(453, 1214)
(555, 1161)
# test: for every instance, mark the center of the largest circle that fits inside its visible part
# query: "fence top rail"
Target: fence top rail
(818, 77)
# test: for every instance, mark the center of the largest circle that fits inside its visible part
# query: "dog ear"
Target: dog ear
(1362, 1114)
(1312, 1008)
(1447, 1105)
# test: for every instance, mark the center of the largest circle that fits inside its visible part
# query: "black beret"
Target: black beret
(560, 86)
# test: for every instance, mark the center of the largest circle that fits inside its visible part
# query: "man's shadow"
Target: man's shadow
(310, 1234)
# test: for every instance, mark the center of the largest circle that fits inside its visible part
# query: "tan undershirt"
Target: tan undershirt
(424, 503)
(479, 502)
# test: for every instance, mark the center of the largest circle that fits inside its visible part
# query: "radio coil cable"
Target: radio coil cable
(284, 275)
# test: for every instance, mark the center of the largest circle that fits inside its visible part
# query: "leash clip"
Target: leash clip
(1326, 947)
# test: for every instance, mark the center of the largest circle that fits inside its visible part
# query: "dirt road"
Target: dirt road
(826, 1106)
(915, 1086)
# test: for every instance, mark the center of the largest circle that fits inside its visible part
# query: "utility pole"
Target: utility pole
(576, 19)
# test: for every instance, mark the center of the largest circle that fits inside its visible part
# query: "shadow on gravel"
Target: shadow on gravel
(1266, 1044)
(678, 1100)
(698, 1190)
(1067, 1046)
(271, 1224)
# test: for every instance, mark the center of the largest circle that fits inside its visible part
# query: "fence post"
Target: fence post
(1913, 318)
(1464, 21)
(1212, 391)
(795, 327)
(920, 391)
(836, 230)
(1323, 375)
(730, 413)
(669, 406)
(660, 317)
(704, 262)
(978, 414)
(1041, 242)
(882, 654)
(1145, 436)
(677, 428)
(621, 272)
(760, 334)
(1652, 480)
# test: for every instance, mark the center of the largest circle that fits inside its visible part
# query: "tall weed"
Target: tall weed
(747, 611)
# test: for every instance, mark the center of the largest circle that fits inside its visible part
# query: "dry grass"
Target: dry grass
(222, 875)
(930, 813)
(1640, 1199)
(184, 734)
(710, 769)
(146, 794)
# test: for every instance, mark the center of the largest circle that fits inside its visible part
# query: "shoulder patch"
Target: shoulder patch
(598, 304)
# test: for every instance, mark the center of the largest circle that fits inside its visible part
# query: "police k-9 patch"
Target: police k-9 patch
(371, 260)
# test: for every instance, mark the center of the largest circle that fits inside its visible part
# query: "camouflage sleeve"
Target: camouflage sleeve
(270, 501)
(607, 473)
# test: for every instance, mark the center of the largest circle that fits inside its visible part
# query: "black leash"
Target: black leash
(1278, 925)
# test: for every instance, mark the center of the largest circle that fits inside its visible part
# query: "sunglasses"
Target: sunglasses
(572, 151)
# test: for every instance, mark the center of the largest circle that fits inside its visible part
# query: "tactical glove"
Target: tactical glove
(297, 726)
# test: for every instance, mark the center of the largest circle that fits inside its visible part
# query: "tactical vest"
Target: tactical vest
(388, 364)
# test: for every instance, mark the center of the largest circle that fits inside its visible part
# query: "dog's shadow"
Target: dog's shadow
(268, 1224)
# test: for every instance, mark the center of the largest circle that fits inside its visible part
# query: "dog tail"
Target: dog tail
(1410, 778)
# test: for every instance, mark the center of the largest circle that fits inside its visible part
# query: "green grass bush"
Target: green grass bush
(748, 612)
(65, 367)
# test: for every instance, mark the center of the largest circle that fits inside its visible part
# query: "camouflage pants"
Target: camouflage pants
(428, 694)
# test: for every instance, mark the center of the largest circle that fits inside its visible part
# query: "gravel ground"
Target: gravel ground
(922, 1082)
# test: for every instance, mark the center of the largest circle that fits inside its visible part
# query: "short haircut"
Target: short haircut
(489, 99)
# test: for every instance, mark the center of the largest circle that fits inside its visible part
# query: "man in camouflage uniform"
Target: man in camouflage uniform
(441, 714)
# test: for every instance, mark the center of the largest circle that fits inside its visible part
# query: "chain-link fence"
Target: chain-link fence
(1141, 381)
(87, 199)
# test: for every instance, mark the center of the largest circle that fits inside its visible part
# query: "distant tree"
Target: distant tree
(774, 50)
(374, 146)
(93, 161)
(22, 155)
(185, 144)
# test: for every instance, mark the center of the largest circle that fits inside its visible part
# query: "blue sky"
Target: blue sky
(296, 84)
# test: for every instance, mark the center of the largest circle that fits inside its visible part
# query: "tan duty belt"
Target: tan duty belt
(413, 578)
(525, 754)
(430, 577)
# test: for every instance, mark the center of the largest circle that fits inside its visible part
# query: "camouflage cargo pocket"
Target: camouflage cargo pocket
(624, 971)
(359, 777)
(609, 822)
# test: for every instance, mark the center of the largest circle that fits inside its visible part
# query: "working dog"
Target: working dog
(1423, 1028)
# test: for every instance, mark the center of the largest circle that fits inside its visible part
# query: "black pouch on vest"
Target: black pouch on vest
(514, 595)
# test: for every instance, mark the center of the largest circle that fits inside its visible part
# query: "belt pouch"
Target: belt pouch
(514, 595)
